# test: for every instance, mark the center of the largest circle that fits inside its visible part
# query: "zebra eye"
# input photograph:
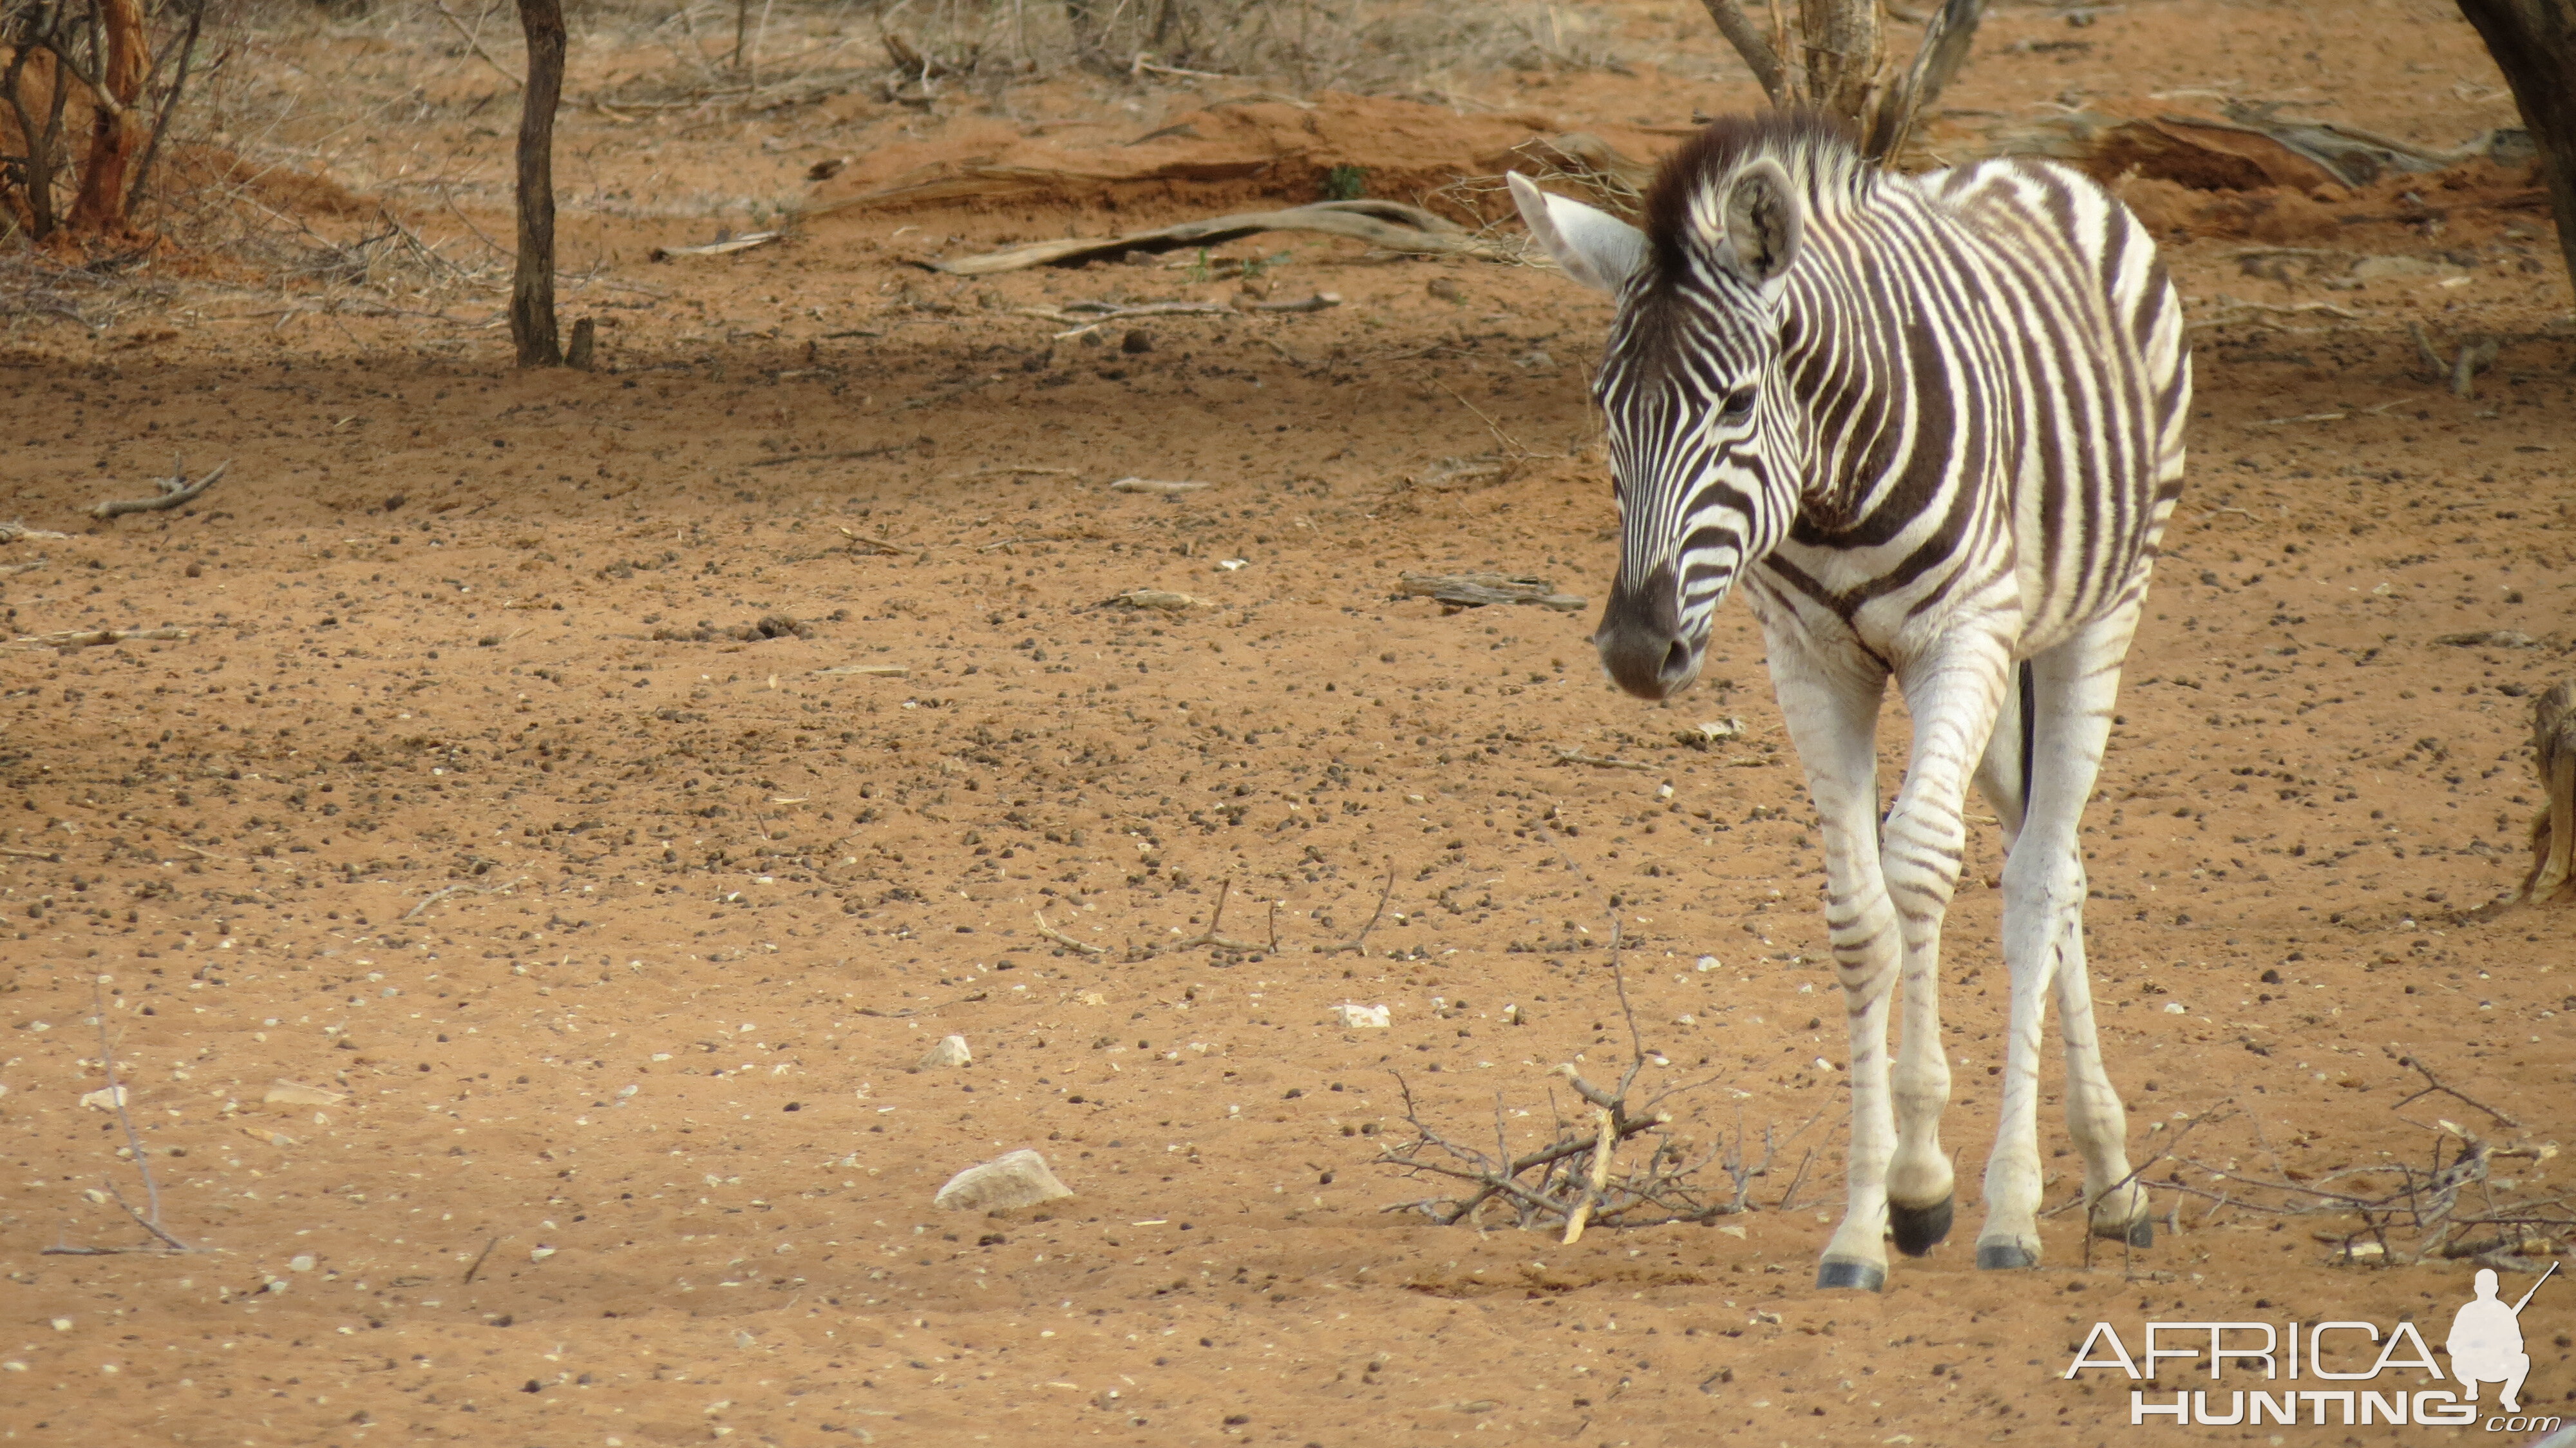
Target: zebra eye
(1737, 406)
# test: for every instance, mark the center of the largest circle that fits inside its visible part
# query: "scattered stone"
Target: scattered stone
(1016, 1179)
(105, 1098)
(2493, 638)
(1712, 731)
(950, 1051)
(1363, 1017)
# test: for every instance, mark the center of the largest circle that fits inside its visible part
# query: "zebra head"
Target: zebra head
(1706, 447)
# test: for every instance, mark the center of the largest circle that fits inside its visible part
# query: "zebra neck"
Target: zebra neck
(1855, 370)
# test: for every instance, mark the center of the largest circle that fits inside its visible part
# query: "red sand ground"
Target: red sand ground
(476, 796)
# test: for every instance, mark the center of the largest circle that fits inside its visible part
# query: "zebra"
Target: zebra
(1933, 426)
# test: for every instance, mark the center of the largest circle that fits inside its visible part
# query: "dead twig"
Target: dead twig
(461, 888)
(1475, 590)
(1359, 942)
(149, 1219)
(1598, 1178)
(479, 1259)
(1387, 225)
(2435, 1083)
(82, 638)
(879, 545)
(833, 457)
(2460, 371)
(1216, 922)
(1599, 761)
(12, 531)
(474, 42)
(1060, 938)
(726, 247)
(175, 490)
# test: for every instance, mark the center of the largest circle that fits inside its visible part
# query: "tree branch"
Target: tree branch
(1739, 30)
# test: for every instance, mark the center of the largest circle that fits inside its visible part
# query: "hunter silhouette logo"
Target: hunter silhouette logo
(2486, 1341)
(2363, 1373)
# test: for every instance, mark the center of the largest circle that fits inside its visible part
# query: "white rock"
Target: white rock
(1349, 1014)
(950, 1051)
(1708, 962)
(300, 1264)
(105, 1098)
(1016, 1179)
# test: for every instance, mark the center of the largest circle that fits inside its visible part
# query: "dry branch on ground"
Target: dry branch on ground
(175, 491)
(1390, 225)
(1573, 1180)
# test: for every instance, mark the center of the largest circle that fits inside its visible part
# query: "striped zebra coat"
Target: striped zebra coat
(1932, 427)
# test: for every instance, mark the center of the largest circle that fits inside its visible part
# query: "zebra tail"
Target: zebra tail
(2029, 734)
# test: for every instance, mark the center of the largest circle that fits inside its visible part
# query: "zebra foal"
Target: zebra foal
(1932, 425)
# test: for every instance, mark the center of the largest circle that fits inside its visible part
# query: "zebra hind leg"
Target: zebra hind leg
(2074, 687)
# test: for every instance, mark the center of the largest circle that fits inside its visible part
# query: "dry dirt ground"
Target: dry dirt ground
(612, 921)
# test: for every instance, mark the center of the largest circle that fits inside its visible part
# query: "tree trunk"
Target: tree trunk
(119, 126)
(1846, 50)
(532, 288)
(32, 69)
(2534, 44)
(1845, 70)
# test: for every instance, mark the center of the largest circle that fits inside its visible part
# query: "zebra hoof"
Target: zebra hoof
(1843, 1272)
(1918, 1230)
(2138, 1233)
(2004, 1256)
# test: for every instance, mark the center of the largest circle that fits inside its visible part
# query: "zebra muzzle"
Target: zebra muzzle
(1641, 641)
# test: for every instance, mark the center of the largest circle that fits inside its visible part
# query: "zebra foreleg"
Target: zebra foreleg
(1830, 702)
(1954, 697)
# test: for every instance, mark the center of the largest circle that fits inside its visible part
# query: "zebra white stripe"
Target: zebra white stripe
(1933, 426)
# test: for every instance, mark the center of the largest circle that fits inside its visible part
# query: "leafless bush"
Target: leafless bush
(1371, 46)
(1573, 1179)
(115, 69)
(2449, 1205)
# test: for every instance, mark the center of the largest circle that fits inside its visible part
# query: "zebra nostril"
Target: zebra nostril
(1677, 660)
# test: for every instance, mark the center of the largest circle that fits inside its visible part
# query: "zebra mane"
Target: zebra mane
(1817, 150)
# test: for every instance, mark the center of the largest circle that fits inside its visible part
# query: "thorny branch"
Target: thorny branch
(1573, 1178)
(149, 1219)
(2445, 1207)
(1359, 942)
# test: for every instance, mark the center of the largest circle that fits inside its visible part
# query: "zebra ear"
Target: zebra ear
(1594, 247)
(1763, 222)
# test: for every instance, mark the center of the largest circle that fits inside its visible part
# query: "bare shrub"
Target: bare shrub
(113, 69)
(1369, 46)
(1573, 1178)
